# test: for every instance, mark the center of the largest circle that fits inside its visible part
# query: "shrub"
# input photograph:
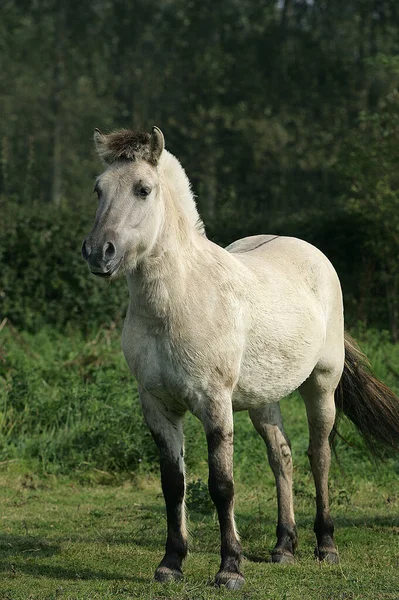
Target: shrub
(43, 278)
(198, 498)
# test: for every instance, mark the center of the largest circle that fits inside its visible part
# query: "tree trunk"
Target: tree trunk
(392, 289)
(59, 84)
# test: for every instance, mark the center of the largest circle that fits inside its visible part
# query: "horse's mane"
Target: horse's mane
(178, 181)
(127, 144)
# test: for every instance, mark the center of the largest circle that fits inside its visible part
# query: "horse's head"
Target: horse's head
(130, 211)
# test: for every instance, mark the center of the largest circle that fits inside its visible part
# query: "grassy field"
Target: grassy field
(63, 540)
(82, 512)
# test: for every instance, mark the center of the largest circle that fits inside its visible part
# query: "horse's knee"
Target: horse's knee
(220, 457)
(280, 459)
(221, 489)
(172, 478)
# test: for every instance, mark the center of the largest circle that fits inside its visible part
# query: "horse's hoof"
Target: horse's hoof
(283, 559)
(328, 556)
(231, 581)
(164, 574)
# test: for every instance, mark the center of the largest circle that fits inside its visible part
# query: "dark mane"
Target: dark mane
(125, 144)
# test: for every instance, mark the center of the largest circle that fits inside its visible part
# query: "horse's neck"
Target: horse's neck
(157, 286)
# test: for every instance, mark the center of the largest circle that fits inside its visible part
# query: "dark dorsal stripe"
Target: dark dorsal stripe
(261, 244)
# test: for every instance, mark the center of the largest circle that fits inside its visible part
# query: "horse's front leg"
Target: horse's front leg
(218, 425)
(166, 427)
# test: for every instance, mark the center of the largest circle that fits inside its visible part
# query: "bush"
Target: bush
(43, 278)
(198, 498)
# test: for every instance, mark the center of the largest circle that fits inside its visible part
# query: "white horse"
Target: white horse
(214, 330)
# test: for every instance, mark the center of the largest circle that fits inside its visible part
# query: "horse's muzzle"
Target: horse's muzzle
(101, 259)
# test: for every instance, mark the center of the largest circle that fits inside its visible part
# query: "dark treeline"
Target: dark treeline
(285, 115)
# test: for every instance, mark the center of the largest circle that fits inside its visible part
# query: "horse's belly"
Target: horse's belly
(273, 368)
(256, 388)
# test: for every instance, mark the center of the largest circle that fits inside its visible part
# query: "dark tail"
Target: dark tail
(371, 406)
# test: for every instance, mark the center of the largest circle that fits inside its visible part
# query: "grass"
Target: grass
(63, 540)
(83, 516)
(69, 406)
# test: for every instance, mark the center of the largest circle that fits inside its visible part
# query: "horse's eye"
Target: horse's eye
(143, 191)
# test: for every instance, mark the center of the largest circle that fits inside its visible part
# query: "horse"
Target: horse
(213, 330)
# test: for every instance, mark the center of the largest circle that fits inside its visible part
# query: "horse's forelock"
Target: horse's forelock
(125, 144)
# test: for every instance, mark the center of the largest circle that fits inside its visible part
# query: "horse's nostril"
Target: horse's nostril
(109, 250)
(85, 250)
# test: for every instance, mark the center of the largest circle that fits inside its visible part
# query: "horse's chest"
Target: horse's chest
(155, 363)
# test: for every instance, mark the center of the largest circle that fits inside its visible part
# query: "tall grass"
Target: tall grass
(68, 405)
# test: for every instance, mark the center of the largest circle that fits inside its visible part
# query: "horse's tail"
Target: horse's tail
(367, 402)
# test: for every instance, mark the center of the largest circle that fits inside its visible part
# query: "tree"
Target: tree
(369, 163)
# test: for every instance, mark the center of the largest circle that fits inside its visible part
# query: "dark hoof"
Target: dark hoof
(328, 556)
(231, 581)
(283, 559)
(164, 574)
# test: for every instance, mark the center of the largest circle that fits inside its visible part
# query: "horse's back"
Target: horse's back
(292, 263)
(250, 243)
(277, 250)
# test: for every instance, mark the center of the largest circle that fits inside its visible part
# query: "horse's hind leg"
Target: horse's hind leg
(268, 423)
(318, 395)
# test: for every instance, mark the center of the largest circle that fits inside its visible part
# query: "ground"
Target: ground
(63, 540)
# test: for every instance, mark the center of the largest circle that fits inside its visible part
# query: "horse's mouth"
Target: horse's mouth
(107, 274)
(111, 273)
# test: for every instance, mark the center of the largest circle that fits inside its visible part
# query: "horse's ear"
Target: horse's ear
(101, 145)
(157, 144)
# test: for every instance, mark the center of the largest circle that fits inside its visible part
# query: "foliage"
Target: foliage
(370, 158)
(283, 114)
(44, 279)
(70, 405)
(198, 498)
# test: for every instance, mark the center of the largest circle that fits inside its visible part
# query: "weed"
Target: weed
(198, 498)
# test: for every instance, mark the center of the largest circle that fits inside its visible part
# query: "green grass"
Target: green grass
(82, 512)
(63, 540)
(68, 406)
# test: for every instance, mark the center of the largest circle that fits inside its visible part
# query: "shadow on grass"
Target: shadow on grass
(26, 545)
(249, 522)
(17, 552)
(56, 572)
(16, 546)
(367, 521)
